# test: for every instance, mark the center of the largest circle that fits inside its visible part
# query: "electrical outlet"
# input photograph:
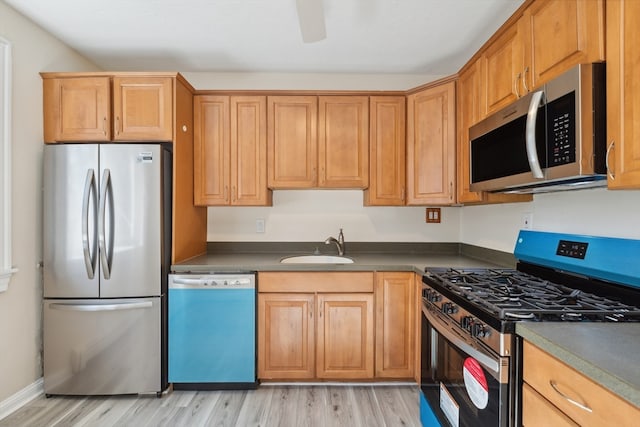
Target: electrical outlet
(433, 215)
(527, 221)
(260, 225)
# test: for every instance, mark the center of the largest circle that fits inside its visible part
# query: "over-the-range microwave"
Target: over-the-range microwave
(551, 139)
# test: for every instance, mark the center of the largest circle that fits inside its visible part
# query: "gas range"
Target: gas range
(486, 302)
(471, 356)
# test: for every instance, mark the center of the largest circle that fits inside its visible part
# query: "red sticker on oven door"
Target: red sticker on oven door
(475, 382)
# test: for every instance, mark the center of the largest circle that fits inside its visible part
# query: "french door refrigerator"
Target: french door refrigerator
(107, 245)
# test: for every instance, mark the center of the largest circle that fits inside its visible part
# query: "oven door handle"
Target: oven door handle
(443, 328)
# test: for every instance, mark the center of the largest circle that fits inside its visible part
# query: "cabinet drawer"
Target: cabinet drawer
(361, 281)
(538, 411)
(553, 379)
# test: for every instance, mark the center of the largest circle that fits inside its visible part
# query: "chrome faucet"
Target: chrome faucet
(339, 242)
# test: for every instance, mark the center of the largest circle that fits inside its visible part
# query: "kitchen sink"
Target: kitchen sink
(317, 259)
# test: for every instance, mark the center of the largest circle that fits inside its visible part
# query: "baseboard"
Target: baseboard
(21, 398)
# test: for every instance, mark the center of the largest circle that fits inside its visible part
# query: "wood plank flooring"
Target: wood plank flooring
(269, 405)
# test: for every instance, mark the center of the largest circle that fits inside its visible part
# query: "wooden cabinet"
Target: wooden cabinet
(395, 324)
(548, 38)
(431, 145)
(387, 177)
(78, 108)
(469, 93)
(572, 396)
(538, 411)
(286, 340)
(338, 305)
(343, 141)
(231, 151)
(344, 346)
(623, 93)
(292, 143)
(318, 142)
(142, 108)
(502, 69)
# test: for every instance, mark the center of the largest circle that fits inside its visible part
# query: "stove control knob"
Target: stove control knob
(466, 322)
(449, 308)
(479, 330)
(434, 296)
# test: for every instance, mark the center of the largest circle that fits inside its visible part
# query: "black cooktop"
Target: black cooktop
(510, 295)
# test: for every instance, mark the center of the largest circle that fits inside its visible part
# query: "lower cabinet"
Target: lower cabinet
(336, 325)
(555, 394)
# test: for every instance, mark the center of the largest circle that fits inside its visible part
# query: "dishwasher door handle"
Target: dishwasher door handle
(189, 282)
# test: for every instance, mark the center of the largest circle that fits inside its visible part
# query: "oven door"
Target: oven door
(464, 384)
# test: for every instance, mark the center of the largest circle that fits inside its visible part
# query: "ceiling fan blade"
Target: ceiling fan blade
(311, 19)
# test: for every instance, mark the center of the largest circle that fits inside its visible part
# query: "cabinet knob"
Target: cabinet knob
(184, 128)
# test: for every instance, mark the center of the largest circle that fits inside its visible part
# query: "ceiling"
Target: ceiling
(363, 36)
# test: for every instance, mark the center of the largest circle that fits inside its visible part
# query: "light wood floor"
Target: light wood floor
(269, 405)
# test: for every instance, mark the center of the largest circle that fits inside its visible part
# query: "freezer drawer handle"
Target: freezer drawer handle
(101, 307)
(105, 257)
(89, 189)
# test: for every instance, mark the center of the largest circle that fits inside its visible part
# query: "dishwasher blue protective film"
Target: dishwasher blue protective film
(607, 258)
(212, 336)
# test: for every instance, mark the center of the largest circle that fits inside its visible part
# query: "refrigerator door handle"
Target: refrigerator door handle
(89, 259)
(102, 241)
(101, 307)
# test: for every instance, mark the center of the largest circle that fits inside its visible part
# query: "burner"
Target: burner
(514, 295)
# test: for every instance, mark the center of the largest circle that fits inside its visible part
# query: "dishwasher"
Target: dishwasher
(212, 331)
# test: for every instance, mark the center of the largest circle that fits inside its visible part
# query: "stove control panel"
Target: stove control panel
(572, 249)
(467, 322)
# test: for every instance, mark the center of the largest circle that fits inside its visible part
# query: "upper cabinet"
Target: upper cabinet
(79, 108)
(386, 151)
(343, 141)
(623, 93)
(431, 146)
(230, 142)
(318, 141)
(292, 142)
(549, 38)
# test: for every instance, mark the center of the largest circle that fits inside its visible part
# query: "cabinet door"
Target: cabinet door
(395, 325)
(538, 411)
(249, 151)
(561, 34)
(386, 151)
(467, 114)
(142, 108)
(343, 141)
(431, 146)
(502, 66)
(344, 347)
(623, 94)
(286, 341)
(77, 109)
(212, 150)
(292, 143)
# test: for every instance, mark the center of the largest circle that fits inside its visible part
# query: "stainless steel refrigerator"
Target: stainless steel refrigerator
(107, 245)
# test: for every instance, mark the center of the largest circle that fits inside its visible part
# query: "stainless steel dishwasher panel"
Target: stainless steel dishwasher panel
(212, 331)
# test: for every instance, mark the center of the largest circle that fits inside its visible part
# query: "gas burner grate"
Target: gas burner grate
(511, 294)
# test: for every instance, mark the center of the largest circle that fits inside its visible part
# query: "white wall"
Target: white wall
(20, 306)
(597, 212)
(313, 215)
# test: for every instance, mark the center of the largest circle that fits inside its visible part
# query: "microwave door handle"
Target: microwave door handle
(530, 135)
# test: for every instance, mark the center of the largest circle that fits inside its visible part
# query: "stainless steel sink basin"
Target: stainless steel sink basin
(316, 259)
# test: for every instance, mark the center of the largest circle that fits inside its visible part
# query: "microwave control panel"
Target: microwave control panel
(562, 130)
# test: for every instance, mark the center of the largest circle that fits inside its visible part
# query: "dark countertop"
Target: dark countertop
(231, 263)
(608, 353)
